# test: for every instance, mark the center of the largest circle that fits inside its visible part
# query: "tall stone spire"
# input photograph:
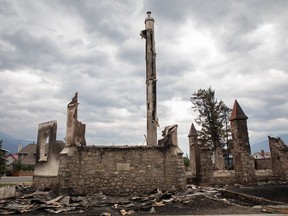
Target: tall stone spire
(243, 161)
(193, 131)
(151, 97)
(239, 128)
(237, 112)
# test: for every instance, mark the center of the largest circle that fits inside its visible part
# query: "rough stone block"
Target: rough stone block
(7, 192)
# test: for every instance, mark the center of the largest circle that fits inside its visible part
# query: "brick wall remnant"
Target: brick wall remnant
(75, 130)
(120, 170)
(243, 161)
(279, 156)
(47, 153)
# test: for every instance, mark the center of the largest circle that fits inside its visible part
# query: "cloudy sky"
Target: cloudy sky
(51, 49)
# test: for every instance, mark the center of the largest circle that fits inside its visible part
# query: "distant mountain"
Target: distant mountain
(264, 145)
(10, 143)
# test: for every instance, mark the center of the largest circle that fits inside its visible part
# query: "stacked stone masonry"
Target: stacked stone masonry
(246, 170)
(120, 170)
(279, 156)
(243, 161)
(47, 155)
(74, 167)
(263, 164)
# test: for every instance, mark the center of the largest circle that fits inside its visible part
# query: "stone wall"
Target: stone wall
(42, 182)
(265, 175)
(223, 177)
(263, 164)
(120, 170)
(206, 175)
(279, 156)
(47, 155)
(247, 170)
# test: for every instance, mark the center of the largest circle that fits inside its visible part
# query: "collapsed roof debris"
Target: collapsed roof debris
(30, 200)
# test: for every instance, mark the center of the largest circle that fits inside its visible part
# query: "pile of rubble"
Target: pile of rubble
(31, 201)
(28, 200)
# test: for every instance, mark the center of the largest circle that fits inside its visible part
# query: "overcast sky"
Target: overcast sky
(51, 49)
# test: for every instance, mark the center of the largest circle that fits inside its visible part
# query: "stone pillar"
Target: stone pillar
(207, 170)
(195, 161)
(45, 140)
(279, 157)
(151, 99)
(75, 130)
(47, 156)
(243, 161)
(219, 159)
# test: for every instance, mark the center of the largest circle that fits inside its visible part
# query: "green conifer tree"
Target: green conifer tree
(213, 117)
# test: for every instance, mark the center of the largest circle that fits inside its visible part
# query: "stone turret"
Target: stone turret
(193, 132)
(238, 121)
(195, 160)
(243, 161)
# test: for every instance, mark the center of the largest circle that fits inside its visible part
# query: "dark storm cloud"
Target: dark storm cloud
(51, 49)
(132, 55)
(27, 51)
(100, 18)
(41, 53)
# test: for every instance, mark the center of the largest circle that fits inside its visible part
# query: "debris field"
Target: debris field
(268, 198)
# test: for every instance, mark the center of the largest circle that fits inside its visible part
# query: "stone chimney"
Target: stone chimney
(151, 97)
(19, 147)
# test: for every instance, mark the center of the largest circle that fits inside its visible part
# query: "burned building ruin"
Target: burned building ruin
(79, 168)
(74, 167)
(244, 171)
